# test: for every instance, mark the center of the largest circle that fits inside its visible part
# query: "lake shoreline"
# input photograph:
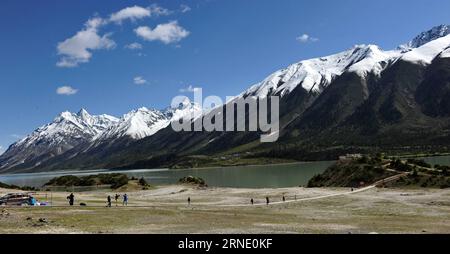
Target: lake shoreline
(416, 155)
(166, 176)
(256, 176)
(64, 171)
(68, 171)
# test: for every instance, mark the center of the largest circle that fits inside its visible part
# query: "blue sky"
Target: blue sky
(52, 61)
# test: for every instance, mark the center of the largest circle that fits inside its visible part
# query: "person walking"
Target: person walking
(251, 200)
(71, 199)
(189, 200)
(109, 201)
(267, 201)
(284, 198)
(125, 199)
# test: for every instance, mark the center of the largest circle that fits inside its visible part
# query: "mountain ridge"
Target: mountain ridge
(70, 130)
(323, 99)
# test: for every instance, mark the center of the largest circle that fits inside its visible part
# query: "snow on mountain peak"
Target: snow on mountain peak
(429, 51)
(185, 109)
(66, 115)
(84, 114)
(66, 126)
(427, 36)
(373, 60)
(185, 103)
(315, 74)
(137, 124)
(143, 123)
(143, 109)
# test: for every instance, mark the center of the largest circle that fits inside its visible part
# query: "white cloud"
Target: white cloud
(133, 46)
(66, 90)
(189, 89)
(139, 80)
(77, 49)
(95, 23)
(132, 13)
(136, 12)
(185, 8)
(304, 38)
(157, 10)
(167, 33)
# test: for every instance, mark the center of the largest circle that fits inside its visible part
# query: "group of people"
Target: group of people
(252, 201)
(116, 198)
(268, 200)
(71, 199)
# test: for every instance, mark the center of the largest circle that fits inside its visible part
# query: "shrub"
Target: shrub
(400, 166)
(121, 181)
(420, 163)
(192, 180)
(142, 182)
(116, 180)
(315, 181)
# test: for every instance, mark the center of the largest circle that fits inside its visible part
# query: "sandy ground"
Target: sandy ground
(226, 210)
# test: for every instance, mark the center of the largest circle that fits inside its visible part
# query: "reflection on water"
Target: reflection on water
(266, 176)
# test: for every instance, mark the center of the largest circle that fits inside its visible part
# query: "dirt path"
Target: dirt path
(164, 209)
(296, 200)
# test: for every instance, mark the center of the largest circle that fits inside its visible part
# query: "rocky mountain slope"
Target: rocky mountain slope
(70, 135)
(361, 99)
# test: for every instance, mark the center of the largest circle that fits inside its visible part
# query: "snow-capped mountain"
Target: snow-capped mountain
(427, 36)
(145, 122)
(137, 124)
(426, 53)
(316, 74)
(363, 97)
(185, 110)
(81, 126)
(65, 132)
(69, 131)
(401, 93)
